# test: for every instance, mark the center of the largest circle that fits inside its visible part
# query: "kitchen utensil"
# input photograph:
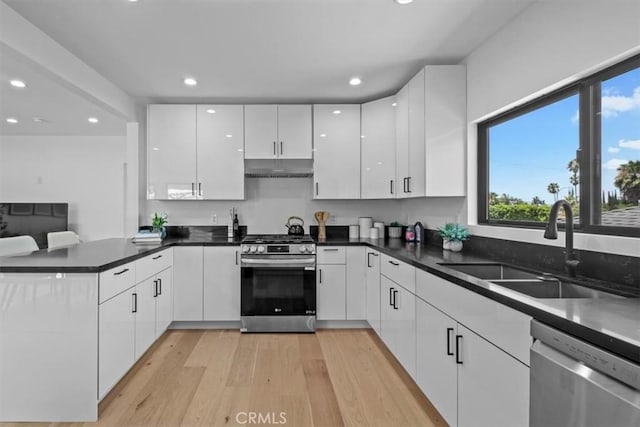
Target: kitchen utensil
(365, 222)
(295, 229)
(354, 231)
(322, 217)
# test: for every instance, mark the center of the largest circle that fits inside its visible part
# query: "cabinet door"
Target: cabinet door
(171, 145)
(378, 149)
(261, 132)
(336, 166)
(356, 292)
(220, 168)
(445, 130)
(116, 340)
(402, 142)
(330, 292)
(388, 317)
(146, 292)
(485, 367)
(164, 301)
(187, 283)
(372, 276)
(398, 323)
(294, 132)
(416, 160)
(436, 369)
(222, 283)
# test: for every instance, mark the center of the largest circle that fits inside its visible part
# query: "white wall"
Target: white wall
(84, 171)
(547, 46)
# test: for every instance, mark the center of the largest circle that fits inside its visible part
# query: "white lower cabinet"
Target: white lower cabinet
(117, 339)
(164, 301)
(188, 283)
(493, 387)
(436, 370)
(145, 315)
(330, 292)
(472, 380)
(221, 283)
(356, 293)
(398, 322)
(372, 279)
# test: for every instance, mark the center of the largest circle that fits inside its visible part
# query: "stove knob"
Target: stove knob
(252, 249)
(260, 249)
(245, 249)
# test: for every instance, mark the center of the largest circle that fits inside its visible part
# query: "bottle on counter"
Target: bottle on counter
(410, 234)
(236, 226)
(419, 231)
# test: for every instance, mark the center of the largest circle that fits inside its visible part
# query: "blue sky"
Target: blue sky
(531, 151)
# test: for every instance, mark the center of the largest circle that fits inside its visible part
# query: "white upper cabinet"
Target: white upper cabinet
(195, 152)
(278, 132)
(378, 149)
(220, 160)
(336, 136)
(171, 143)
(445, 127)
(410, 138)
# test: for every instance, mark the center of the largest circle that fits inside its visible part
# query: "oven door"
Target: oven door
(278, 286)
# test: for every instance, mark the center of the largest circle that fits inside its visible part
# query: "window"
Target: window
(581, 144)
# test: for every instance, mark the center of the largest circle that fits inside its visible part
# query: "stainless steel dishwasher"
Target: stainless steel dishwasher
(574, 383)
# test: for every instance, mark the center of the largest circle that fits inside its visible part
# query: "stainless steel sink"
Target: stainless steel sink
(552, 289)
(490, 271)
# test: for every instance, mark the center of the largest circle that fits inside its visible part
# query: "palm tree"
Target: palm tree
(574, 179)
(628, 181)
(554, 189)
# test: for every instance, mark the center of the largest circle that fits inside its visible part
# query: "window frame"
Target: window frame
(588, 152)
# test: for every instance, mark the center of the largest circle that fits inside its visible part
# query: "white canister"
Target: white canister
(354, 231)
(365, 222)
(374, 233)
(380, 226)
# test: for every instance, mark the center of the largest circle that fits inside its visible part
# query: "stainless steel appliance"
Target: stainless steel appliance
(574, 383)
(278, 283)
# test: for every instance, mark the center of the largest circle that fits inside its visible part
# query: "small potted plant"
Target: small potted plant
(395, 230)
(452, 236)
(157, 224)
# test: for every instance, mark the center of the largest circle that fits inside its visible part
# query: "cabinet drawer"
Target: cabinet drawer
(331, 254)
(398, 271)
(116, 280)
(503, 326)
(153, 264)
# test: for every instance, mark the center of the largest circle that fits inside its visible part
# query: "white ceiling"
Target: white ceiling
(265, 50)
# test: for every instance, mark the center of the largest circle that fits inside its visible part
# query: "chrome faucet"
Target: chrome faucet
(551, 232)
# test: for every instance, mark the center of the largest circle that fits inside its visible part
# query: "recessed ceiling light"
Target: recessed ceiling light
(190, 81)
(12, 120)
(17, 83)
(92, 120)
(228, 135)
(323, 135)
(133, 1)
(355, 81)
(337, 112)
(39, 120)
(394, 104)
(403, 1)
(211, 111)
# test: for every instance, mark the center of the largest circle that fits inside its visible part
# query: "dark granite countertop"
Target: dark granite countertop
(613, 324)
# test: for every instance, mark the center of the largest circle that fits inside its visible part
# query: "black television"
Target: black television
(33, 219)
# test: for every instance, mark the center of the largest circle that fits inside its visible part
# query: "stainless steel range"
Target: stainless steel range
(278, 283)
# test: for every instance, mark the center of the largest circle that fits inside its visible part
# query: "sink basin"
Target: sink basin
(552, 289)
(490, 271)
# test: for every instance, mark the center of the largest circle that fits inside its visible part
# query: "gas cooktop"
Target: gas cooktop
(277, 239)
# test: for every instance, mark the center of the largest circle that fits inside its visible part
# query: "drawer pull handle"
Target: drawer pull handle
(449, 352)
(155, 289)
(157, 257)
(331, 249)
(121, 272)
(397, 264)
(458, 357)
(395, 299)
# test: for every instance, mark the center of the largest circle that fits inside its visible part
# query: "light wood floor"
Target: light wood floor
(217, 378)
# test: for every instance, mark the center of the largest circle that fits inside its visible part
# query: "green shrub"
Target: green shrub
(520, 212)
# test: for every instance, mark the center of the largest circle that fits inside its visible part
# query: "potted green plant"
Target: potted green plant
(395, 230)
(453, 235)
(157, 224)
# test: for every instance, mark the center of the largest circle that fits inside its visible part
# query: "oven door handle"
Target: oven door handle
(277, 263)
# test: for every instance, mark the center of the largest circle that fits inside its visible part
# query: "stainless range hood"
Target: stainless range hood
(278, 168)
